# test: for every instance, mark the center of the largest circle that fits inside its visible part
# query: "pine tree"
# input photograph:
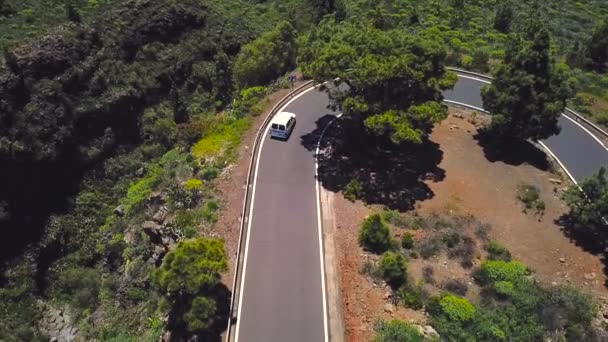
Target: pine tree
(598, 46)
(503, 18)
(529, 90)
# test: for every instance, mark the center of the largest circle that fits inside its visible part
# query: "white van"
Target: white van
(282, 124)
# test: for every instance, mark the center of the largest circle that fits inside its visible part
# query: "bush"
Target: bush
(208, 172)
(397, 331)
(430, 248)
(497, 270)
(456, 308)
(451, 239)
(393, 268)
(504, 288)
(193, 184)
(497, 252)
(456, 286)
(427, 275)
(529, 195)
(375, 235)
(412, 297)
(465, 251)
(209, 211)
(407, 241)
(370, 269)
(353, 190)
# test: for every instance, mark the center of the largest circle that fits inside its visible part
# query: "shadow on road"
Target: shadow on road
(513, 152)
(389, 175)
(590, 238)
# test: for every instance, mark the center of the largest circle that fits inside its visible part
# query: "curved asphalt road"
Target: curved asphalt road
(579, 152)
(282, 291)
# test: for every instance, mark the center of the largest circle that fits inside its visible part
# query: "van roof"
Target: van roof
(281, 118)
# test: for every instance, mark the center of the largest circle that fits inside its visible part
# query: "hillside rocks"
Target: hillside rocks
(57, 325)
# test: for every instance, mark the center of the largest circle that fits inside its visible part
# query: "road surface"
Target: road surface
(282, 285)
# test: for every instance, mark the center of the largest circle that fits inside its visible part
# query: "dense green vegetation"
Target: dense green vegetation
(510, 305)
(116, 115)
(393, 78)
(112, 130)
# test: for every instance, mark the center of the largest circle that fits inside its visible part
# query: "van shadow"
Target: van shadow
(390, 175)
(511, 151)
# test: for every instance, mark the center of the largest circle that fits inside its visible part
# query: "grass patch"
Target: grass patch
(222, 138)
(529, 195)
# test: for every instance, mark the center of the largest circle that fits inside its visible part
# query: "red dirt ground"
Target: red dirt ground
(487, 190)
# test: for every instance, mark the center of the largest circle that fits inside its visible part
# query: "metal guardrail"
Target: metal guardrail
(246, 198)
(568, 111)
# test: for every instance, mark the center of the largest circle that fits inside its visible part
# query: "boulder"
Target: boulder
(161, 215)
(430, 332)
(390, 308)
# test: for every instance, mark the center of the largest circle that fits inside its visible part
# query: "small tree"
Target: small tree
(393, 268)
(503, 17)
(589, 207)
(598, 46)
(457, 308)
(407, 241)
(267, 57)
(529, 90)
(375, 234)
(188, 278)
(72, 13)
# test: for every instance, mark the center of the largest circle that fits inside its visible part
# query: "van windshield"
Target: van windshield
(281, 127)
(275, 126)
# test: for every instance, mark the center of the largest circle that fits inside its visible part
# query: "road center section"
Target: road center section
(282, 288)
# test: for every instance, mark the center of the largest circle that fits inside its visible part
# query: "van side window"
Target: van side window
(290, 122)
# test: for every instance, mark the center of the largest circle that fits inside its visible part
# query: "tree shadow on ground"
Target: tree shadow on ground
(389, 175)
(221, 294)
(590, 238)
(512, 151)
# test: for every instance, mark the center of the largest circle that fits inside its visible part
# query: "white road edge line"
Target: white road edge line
(472, 78)
(319, 225)
(586, 130)
(558, 161)
(466, 105)
(255, 180)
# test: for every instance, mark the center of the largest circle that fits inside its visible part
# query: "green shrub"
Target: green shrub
(193, 184)
(209, 211)
(407, 241)
(208, 172)
(498, 270)
(393, 268)
(498, 252)
(504, 288)
(412, 297)
(375, 235)
(353, 190)
(397, 331)
(456, 308)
